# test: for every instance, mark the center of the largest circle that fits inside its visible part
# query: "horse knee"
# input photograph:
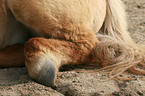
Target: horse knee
(33, 44)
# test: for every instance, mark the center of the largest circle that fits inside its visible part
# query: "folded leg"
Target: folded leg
(71, 41)
(43, 57)
(12, 56)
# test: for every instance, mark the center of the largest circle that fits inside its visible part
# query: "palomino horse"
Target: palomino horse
(46, 34)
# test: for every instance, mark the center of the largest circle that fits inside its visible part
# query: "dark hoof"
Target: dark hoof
(46, 76)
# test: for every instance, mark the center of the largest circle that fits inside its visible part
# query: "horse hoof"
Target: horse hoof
(46, 75)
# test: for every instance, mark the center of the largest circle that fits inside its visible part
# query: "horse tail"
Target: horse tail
(117, 51)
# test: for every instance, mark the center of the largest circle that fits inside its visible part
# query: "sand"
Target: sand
(16, 81)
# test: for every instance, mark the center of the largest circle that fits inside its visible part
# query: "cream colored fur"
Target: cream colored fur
(116, 36)
(116, 50)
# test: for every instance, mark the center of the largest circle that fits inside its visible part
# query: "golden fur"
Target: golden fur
(67, 32)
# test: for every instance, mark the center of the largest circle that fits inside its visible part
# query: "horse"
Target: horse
(43, 35)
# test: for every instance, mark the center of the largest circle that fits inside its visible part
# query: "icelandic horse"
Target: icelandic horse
(46, 34)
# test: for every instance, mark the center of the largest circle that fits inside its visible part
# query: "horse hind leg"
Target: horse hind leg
(43, 57)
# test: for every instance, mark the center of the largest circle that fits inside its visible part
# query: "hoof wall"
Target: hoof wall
(46, 76)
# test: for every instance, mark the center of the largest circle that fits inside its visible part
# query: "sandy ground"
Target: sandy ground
(16, 82)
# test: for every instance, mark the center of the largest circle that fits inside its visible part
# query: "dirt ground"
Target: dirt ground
(16, 82)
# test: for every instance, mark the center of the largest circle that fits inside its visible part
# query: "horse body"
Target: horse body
(55, 15)
(58, 32)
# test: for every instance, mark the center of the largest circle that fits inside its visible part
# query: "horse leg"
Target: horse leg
(71, 42)
(43, 57)
(12, 56)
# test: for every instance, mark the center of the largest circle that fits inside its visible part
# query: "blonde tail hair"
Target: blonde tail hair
(117, 51)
